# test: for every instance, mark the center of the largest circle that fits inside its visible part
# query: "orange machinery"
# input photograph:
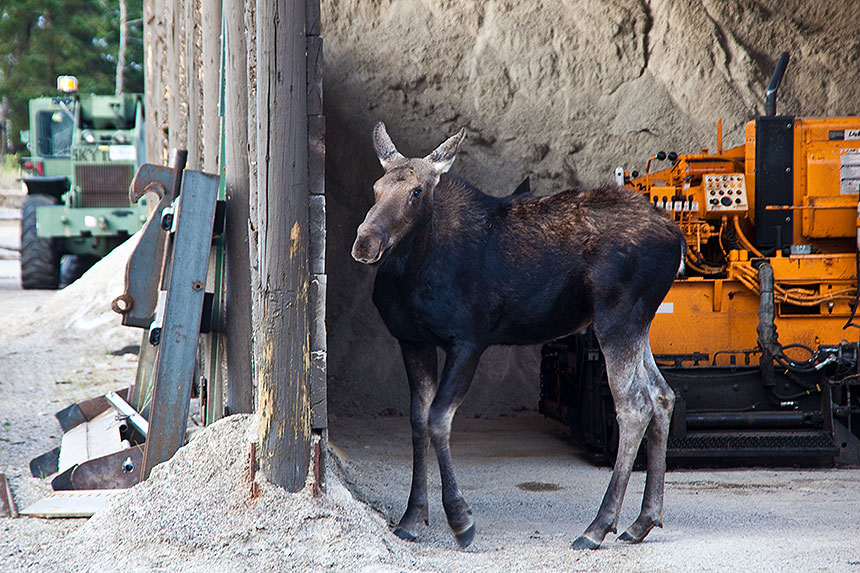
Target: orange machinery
(757, 337)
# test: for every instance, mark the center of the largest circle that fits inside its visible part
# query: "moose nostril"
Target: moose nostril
(366, 247)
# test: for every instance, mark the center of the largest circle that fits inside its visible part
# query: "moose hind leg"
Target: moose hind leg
(633, 410)
(457, 375)
(663, 401)
(420, 362)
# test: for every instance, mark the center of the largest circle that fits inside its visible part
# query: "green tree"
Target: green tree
(43, 39)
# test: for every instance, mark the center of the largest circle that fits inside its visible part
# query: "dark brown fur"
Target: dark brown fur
(461, 270)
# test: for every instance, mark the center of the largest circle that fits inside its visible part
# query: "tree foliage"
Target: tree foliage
(43, 39)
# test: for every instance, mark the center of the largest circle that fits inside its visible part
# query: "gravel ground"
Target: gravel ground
(197, 513)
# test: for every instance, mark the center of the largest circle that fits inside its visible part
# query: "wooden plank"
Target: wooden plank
(312, 18)
(317, 228)
(96, 438)
(316, 311)
(177, 120)
(250, 17)
(319, 390)
(315, 75)
(316, 154)
(283, 364)
(211, 54)
(103, 436)
(74, 448)
(155, 100)
(193, 87)
(70, 503)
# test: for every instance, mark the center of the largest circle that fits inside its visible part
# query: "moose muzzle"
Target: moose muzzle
(369, 244)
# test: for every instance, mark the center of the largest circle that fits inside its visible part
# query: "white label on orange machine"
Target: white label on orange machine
(666, 308)
(849, 171)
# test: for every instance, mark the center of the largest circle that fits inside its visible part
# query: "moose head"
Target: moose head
(403, 196)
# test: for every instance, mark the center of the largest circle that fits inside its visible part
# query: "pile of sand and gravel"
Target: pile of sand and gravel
(81, 312)
(196, 512)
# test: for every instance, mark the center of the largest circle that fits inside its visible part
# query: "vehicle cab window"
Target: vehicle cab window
(55, 133)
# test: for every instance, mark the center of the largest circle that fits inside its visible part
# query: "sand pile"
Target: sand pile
(81, 312)
(196, 513)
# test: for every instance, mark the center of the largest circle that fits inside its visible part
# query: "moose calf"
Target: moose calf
(461, 270)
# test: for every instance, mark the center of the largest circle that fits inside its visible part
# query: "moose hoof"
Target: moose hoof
(582, 542)
(464, 538)
(404, 534)
(626, 537)
(637, 532)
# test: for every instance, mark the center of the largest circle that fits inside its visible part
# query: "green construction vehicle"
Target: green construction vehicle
(84, 152)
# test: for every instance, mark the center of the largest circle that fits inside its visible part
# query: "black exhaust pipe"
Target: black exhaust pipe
(775, 80)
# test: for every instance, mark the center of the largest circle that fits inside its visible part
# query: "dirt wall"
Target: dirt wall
(562, 92)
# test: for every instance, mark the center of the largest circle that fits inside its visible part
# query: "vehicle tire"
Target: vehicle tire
(40, 263)
(72, 267)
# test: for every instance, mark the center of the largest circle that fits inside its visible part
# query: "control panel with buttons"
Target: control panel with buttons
(725, 192)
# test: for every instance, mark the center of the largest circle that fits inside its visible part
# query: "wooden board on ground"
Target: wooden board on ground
(70, 503)
(89, 440)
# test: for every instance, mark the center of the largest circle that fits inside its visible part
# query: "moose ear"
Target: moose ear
(384, 147)
(443, 156)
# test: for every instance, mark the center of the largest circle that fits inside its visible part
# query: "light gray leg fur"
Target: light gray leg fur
(663, 402)
(628, 382)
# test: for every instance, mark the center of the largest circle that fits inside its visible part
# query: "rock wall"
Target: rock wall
(562, 92)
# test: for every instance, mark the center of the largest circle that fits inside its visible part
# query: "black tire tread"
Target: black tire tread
(40, 263)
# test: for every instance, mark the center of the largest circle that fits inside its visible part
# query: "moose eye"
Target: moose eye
(416, 192)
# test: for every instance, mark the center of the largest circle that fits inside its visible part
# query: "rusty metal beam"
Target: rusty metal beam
(185, 289)
(7, 502)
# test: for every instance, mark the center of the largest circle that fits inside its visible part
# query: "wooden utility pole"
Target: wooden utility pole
(240, 396)
(283, 349)
(123, 35)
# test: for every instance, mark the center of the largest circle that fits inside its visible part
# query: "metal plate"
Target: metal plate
(119, 470)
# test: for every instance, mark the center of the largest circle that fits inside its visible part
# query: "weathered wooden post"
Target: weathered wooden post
(177, 117)
(193, 88)
(155, 68)
(283, 346)
(211, 55)
(239, 373)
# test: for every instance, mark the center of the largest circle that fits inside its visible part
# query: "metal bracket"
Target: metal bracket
(143, 271)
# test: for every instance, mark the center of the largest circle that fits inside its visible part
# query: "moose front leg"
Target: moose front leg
(421, 370)
(460, 365)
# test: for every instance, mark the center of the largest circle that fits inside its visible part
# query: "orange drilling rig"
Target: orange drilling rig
(759, 336)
